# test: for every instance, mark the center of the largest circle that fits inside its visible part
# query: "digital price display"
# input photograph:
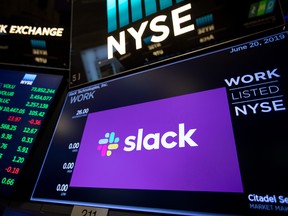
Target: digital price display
(197, 135)
(25, 98)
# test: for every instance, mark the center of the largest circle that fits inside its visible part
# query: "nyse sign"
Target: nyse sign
(156, 25)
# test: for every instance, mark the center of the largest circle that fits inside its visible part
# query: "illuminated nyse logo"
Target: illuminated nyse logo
(150, 141)
(119, 15)
(28, 79)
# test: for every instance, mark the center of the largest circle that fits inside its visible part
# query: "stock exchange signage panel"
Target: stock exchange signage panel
(35, 34)
(120, 35)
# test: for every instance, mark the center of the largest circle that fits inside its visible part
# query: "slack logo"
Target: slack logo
(107, 144)
(150, 141)
(154, 140)
(179, 143)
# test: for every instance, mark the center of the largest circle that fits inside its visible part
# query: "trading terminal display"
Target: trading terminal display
(185, 137)
(25, 98)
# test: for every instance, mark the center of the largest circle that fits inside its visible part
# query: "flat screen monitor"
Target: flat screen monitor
(26, 98)
(196, 135)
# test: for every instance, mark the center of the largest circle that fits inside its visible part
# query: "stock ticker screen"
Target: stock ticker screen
(25, 99)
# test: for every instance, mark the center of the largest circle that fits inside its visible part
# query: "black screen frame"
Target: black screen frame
(25, 181)
(119, 192)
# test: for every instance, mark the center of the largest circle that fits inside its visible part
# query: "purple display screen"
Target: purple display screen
(198, 134)
(179, 143)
